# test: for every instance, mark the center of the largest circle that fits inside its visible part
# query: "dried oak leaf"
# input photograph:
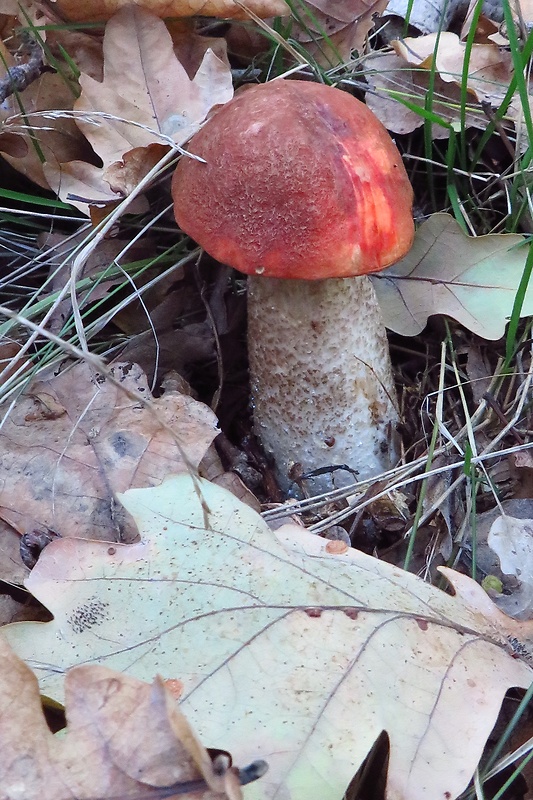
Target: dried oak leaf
(37, 132)
(408, 74)
(72, 441)
(145, 102)
(91, 10)
(490, 68)
(123, 736)
(145, 90)
(332, 29)
(391, 78)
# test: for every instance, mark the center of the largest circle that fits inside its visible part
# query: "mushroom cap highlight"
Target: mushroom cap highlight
(301, 181)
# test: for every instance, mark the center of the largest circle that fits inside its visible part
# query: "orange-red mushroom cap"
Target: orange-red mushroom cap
(301, 181)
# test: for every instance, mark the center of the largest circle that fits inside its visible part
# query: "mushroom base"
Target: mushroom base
(321, 380)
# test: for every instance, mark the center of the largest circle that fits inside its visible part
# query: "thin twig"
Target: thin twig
(21, 76)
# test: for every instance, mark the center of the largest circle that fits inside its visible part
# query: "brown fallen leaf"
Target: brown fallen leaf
(61, 253)
(332, 29)
(479, 371)
(41, 133)
(12, 361)
(408, 72)
(11, 567)
(74, 440)
(191, 47)
(488, 23)
(145, 91)
(144, 103)
(522, 11)
(10, 609)
(91, 10)
(123, 736)
(37, 122)
(84, 47)
(26, 11)
(82, 185)
(391, 76)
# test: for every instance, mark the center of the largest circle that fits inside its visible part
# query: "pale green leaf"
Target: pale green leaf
(474, 280)
(287, 650)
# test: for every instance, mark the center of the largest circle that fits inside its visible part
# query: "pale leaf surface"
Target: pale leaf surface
(512, 541)
(474, 280)
(75, 439)
(146, 91)
(123, 737)
(437, 59)
(389, 74)
(288, 647)
(79, 183)
(490, 67)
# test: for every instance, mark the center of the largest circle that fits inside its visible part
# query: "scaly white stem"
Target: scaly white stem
(321, 378)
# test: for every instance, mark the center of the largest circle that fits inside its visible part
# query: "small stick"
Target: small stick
(20, 77)
(501, 416)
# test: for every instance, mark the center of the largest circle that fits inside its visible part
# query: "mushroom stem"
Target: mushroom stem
(321, 378)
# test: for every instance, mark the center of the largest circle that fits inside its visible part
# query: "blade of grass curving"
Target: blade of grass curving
(64, 25)
(427, 115)
(275, 33)
(41, 309)
(35, 200)
(519, 65)
(49, 353)
(511, 337)
(428, 131)
(34, 309)
(451, 187)
(312, 63)
(520, 58)
(29, 220)
(300, 12)
(502, 742)
(470, 452)
(455, 203)
(17, 95)
(472, 487)
(502, 791)
(421, 497)
(464, 81)
(407, 19)
(76, 72)
(501, 111)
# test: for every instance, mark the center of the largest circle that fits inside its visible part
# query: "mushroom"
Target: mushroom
(303, 190)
